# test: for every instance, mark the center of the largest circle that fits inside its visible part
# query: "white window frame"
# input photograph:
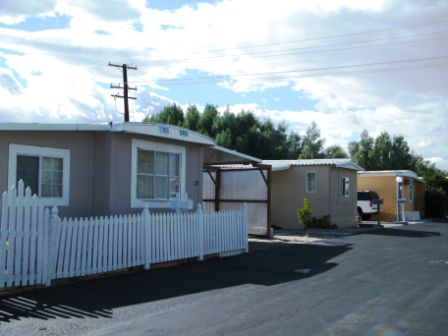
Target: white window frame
(315, 182)
(157, 147)
(64, 154)
(345, 192)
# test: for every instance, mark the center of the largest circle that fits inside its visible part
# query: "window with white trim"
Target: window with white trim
(345, 186)
(44, 170)
(310, 183)
(158, 172)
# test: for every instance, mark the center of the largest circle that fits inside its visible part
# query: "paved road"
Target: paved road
(388, 282)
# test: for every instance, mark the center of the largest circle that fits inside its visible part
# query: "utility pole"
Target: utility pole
(125, 88)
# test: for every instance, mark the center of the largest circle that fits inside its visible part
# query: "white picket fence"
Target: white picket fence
(37, 246)
(24, 239)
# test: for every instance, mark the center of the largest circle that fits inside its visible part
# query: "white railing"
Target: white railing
(37, 246)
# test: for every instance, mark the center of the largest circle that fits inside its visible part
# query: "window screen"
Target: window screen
(157, 174)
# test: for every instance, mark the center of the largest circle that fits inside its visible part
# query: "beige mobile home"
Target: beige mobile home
(90, 170)
(329, 184)
(403, 192)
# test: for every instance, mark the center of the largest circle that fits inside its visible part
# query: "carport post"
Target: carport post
(269, 228)
(218, 189)
(378, 214)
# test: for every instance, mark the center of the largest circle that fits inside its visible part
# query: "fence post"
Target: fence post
(146, 221)
(245, 229)
(52, 250)
(200, 213)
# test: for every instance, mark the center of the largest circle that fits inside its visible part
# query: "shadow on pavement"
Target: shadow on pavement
(267, 264)
(404, 233)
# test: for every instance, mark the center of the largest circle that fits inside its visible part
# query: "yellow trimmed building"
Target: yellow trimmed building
(402, 191)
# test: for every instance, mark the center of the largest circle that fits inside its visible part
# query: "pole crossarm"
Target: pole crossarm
(125, 87)
(120, 96)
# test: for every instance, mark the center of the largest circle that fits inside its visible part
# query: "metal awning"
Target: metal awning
(216, 155)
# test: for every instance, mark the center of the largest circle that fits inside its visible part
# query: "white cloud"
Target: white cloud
(13, 11)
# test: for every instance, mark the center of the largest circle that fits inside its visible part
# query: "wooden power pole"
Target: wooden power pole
(125, 88)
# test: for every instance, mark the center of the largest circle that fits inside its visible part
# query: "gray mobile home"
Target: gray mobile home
(90, 170)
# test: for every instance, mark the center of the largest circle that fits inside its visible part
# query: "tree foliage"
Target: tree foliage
(242, 131)
(171, 114)
(335, 152)
(192, 118)
(312, 143)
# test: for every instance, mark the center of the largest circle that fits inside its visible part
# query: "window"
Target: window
(311, 182)
(411, 190)
(44, 170)
(345, 186)
(157, 173)
(400, 190)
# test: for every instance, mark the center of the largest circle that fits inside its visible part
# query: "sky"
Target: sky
(348, 65)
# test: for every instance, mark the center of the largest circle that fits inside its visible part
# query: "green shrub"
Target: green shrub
(436, 202)
(304, 214)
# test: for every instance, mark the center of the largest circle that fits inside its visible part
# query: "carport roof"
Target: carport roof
(216, 155)
(278, 165)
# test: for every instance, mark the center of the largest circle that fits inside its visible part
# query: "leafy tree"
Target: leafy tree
(361, 152)
(294, 145)
(401, 154)
(383, 153)
(205, 123)
(335, 152)
(312, 143)
(224, 138)
(171, 114)
(192, 118)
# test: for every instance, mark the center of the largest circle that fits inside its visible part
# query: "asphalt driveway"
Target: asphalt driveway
(393, 281)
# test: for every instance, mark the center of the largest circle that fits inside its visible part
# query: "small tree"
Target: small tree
(304, 214)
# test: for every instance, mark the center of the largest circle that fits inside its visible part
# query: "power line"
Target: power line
(338, 67)
(321, 37)
(331, 74)
(264, 54)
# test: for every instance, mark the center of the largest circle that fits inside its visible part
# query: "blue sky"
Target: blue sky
(348, 65)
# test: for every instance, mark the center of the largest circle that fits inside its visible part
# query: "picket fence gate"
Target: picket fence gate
(36, 245)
